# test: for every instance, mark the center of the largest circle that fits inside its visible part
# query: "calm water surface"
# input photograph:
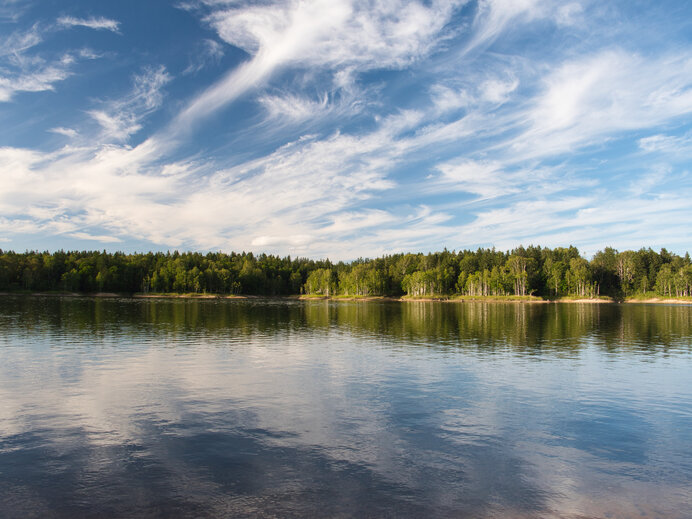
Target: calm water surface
(130, 408)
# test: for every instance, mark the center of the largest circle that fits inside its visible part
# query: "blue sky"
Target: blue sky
(345, 128)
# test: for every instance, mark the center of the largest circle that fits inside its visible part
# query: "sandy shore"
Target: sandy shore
(489, 299)
(185, 296)
(660, 301)
(345, 298)
(585, 300)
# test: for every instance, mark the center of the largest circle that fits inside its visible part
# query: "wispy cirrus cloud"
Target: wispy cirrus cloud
(672, 146)
(22, 70)
(12, 10)
(121, 118)
(589, 98)
(16, 43)
(317, 33)
(99, 23)
(92, 237)
(364, 127)
(293, 107)
(494, 18)
(39, 79)
(312, 187)
(207, 53)
(67, 132)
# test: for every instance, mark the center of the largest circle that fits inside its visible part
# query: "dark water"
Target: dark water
(127, 408)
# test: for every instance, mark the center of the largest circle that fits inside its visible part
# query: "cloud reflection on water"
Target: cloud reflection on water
(209, 408)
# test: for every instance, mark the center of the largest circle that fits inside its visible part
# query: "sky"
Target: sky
(345, 128)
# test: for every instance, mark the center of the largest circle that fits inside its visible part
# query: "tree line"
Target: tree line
(524, 271)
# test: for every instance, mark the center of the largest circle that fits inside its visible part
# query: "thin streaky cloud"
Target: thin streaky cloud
(119, 119)
(17, 42)
(67, 132)
(91, 237)
(100, 23)
(350, 128)
(316, 33)
(40, 79)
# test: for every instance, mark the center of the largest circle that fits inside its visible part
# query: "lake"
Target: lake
(272, 408)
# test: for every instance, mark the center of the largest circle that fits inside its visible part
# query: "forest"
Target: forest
(524, 271)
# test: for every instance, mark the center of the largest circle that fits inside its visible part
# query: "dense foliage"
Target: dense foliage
(485, 272)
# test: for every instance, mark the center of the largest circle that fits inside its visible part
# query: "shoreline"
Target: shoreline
(404, 299)
(659, 301)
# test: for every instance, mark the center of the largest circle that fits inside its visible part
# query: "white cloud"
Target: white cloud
(318, 33)
(89, 54)
(12, 10)
(38, 80)
(121, 118)
(100, 238)
(116, 126)
(361, 192)
(497, 17)
(588, 222)
(645, 184)
(596, 97)
(20, 71)
(658, 143)
(147, 87)
(569, 14)
(123, 191)
(209, 52)
(447, 99)
(293, 107)
(485, 179)
(495, 91)
(670, 145)
(347, 222)
(498, 91)
(67, 132)
(100, 23)
(494, 16)
(18, 42)
(295, 240)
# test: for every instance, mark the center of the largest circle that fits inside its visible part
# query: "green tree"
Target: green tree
(320, 282)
